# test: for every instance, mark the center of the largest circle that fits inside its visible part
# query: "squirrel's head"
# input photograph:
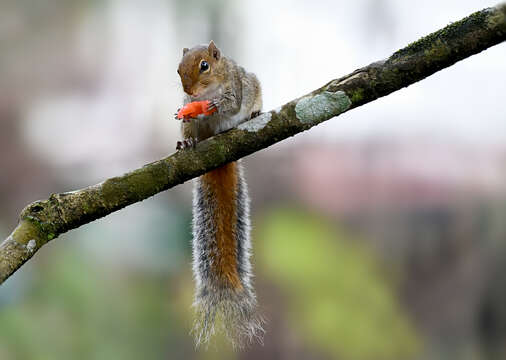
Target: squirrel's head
(199, 69)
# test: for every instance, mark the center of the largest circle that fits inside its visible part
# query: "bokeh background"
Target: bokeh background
(377, 235)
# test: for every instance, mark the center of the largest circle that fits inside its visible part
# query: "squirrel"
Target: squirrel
(221, 225)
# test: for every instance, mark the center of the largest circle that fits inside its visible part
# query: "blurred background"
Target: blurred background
(377, 235)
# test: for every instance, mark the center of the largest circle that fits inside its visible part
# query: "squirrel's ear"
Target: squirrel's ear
(213, 50)
(185, 50)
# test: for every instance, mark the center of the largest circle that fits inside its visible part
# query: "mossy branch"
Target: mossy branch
(45, 220)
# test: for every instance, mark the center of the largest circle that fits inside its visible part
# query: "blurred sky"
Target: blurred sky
(110, 71)
(322, 40)
(88, 90)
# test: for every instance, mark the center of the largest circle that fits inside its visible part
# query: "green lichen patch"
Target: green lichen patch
(257, 123)
(26, 230)
(321, 107)
(437, 51)
(32, 245)
(357, 95)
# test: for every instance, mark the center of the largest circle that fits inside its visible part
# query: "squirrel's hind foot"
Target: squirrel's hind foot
(185, 144)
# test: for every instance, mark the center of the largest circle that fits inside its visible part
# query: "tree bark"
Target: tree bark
(45, 220)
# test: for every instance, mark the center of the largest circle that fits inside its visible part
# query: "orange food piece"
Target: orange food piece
(191, 110)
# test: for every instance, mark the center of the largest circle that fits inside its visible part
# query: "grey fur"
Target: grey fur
(218, 307)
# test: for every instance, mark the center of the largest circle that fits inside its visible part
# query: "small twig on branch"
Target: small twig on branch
(45, 220)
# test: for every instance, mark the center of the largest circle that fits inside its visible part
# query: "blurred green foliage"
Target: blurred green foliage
(83, 311)
(338, 298)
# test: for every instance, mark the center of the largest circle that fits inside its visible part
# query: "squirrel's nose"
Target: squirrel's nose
(190, 91)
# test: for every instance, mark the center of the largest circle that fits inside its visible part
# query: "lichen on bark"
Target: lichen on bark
(321, 107)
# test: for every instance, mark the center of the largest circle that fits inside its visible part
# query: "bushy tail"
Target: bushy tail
(225, 299)
(234, 314)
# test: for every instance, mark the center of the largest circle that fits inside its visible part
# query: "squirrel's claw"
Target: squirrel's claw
(186, 143)
(213, 104)
(184, 119)
(176, 114)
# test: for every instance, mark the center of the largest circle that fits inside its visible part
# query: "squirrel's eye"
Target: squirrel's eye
(204, 66)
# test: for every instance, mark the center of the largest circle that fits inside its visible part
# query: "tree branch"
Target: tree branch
(45, 220)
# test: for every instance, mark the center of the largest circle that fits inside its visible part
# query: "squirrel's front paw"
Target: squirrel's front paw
(184, 118)
(212, 106)
(186, 143)
(176, 114)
